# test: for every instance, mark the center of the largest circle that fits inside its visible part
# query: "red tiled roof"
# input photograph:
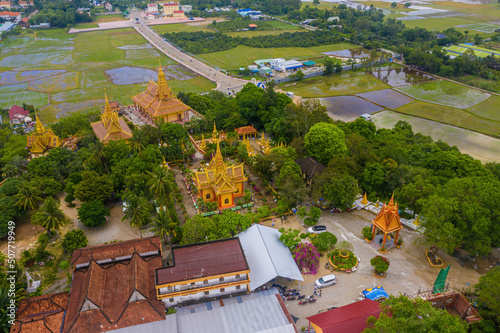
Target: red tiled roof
(170, 4)
(17, 110)
(252, 25)
(246, 130)
(203, 260)
(102, 133)
(12, 14)
(40, 314)
(178, 11)
(114, 295)
(25, 20)
(349, 318)
(388, 219)
(156, 107)
(115, 250)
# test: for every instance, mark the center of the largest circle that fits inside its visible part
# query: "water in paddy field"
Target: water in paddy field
(131, 75)
(13, 77)
(387, 97)
(348, 108)
(359, 54)
(401, 76)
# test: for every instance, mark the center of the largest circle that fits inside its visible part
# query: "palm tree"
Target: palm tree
(161, 185)
(49, 216)
(99, 155)
(136, 141)
(27, 196)
(164, 226)
(138, 211)
(16, 166)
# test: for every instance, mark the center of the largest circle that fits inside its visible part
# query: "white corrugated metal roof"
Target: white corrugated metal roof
(267, 256)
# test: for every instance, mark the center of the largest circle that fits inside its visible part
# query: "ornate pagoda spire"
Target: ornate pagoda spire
(214, 133)
(263, 140)
(365, 200)
(219, 165)
(39, 129)
(163, 91)
(109, 117)
(203, 144)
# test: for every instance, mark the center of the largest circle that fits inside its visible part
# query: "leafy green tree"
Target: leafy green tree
(324, 142)
(163, 226)
(313, 216)
(27, 196)
(16, 166)
(339, 189)
(394, 5)
(198, 229)
(316, 2)
(414, 315)
(99, 154)
(136, 140)
(93, 187)
(488, 290)
(161, 185)
(138, 211)
(407, 5)
(74, 239)
(49, 216)
(290, 237)
(380, 264)
(229, 224)
(93, 213)
(300, 118)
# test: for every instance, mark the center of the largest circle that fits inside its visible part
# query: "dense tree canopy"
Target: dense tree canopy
(325, 141)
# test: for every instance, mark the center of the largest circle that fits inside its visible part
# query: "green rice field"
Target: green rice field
(445, 93)
(336, 85)
(242, 56)
(61, 73)
(178, 27)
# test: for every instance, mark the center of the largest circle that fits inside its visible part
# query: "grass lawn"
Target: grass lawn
(100, 19)
(451, 116)
(85, 57)
(387, 5)
(257, 33)
(445, 93)
(283, 25)
(490, 108)
(336, 85)
(440, 24)
(491, 9)
(482, 147)
(242, 56)
(322, 5)
(178, 27)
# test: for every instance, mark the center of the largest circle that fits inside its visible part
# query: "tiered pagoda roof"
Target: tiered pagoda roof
(220, 176)
(388, 219)
(157, 99)
(111, 127)
(42, 139)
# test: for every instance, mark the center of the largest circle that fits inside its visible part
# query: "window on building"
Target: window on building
(170, 288)
(171, 300)
(238, 287)
(226, 201)
(207, 293)
(205, 282)
(222, 290)
(192, 283)
(221, 278)
(207, 196)
(237, 276)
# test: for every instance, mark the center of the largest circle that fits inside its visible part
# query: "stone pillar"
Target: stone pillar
(373, 231)
(396, 238)
(385, 237)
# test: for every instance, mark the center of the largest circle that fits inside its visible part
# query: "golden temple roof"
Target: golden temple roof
(157, 99)
(388, 219)
(42, 139)
(111, 127)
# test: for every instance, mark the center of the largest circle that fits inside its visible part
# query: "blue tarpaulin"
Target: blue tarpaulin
(375, 293)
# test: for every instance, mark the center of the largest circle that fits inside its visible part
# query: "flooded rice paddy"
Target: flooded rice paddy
(348, 108)
(396, 77)
(132, 75)
(387, 98)
(14, 77)
(66, 81)
(64, 109)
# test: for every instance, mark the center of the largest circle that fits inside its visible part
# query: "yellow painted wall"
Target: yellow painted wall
(204, 193)
(316, 328)
(179, 15)
(239, 186)
(228, 196)
(169, 10)
(173, 117)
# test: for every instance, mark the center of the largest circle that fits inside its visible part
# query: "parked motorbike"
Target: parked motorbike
(302, 302)
(301, 297)
(312, 300)
(291, 298)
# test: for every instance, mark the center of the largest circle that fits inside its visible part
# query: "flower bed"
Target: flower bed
(307, 258)
(342, 259)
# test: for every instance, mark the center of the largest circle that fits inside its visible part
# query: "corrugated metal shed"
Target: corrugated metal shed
(267, 256)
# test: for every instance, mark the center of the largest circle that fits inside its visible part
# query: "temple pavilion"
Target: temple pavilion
(220, 182)
(42, 140)
(248, 132)
(111, 127)
(386, 226)
(157, 102)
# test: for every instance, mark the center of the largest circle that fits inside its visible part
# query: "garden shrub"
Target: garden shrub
(306, 256)
(325, 241)
(64, 265)
(380, 264)
(343, 258)
(367, 233)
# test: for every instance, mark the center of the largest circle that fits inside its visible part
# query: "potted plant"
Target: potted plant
(367, 233)
(380, 265)
(399, 243)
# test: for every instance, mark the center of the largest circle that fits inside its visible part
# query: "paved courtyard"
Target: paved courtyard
(408, 273)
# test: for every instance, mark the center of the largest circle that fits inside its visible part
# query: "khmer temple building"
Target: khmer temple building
(248, 132)
(386, 226)
(220, 182)
(157, 102)
(111, 127)
(42, 140)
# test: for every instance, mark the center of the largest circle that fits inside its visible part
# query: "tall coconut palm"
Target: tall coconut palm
(135, 141)
(161, 186)
(49, 216)
(138, 211)
(164, 226)
(27, 196)
(16, 166)
(99, 155)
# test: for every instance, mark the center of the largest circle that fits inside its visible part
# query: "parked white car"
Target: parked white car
(326, 281)
(317, 229)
